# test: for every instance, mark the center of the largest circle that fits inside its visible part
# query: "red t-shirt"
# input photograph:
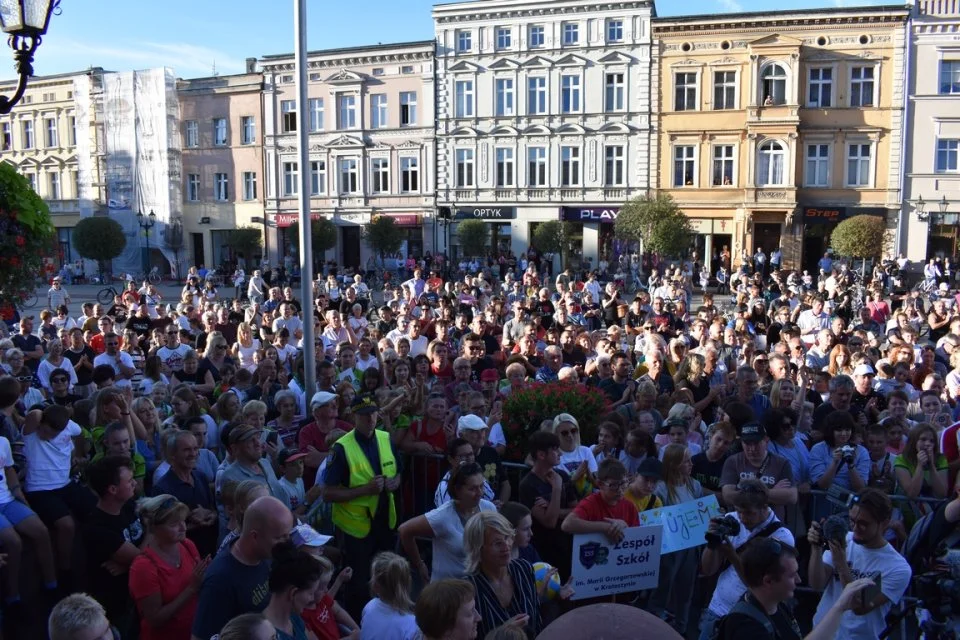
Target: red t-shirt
(948, 442)
(321, 621)
(150, 574)
(595, 509)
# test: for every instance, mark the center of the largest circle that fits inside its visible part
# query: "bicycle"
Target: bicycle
(107, 294)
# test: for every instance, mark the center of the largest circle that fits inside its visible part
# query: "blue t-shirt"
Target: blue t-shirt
(229, 589)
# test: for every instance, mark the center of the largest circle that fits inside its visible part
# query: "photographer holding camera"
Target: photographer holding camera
(726, 536)
(837, 561)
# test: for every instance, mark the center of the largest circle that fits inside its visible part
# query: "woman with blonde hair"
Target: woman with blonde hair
(389, 615)
(215, 355)
(676, 352)
(784, 394)
(840, 361)
(246, 347)
(165, 578)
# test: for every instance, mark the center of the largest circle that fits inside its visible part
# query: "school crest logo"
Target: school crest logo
(593, 553)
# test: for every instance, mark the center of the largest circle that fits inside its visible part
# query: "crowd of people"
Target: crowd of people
(169, 475)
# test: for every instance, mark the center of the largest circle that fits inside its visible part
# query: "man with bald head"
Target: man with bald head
(237, 580)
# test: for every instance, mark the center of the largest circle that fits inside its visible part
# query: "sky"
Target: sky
(198, 37)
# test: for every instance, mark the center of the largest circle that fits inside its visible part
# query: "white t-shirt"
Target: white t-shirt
(418, 346)
(173, 358)
(380, 622)
(48, 461)
(865, 563)
(120, 382)
(370, 362)
(729, 586)
(496, 438)
(570, 460)
(6, 460)
(448, 553)
(46, 368)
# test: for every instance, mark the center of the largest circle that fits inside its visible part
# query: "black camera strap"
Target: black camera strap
(766, 532)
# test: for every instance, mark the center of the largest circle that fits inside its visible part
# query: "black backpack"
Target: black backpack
(743, 607)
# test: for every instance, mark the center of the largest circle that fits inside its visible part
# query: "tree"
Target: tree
(323, 236)
(245, 241)
(382, 236)
(474, 236)
(99, 238)
(550, 236)
(859, 237)
(26, 236)
(657, 222)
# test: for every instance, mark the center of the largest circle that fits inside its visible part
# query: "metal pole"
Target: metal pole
(306, 249)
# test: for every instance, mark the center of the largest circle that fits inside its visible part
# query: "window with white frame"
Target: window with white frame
(570, 93)
(614, 94)
(288, 116)
(315, 107)
(248, 130)
(817, 165)
(349, 175)
(571, 33)
(723, 159)
(75, 182)
(820, 88)
(724, 90)
(504, 96)
(53, 186)
(536, 166)
(505, 167)
(31, 178)
(192, 134)
(380, 173)
(949, 77)
(536, 36)
(220, 187)
(409, 174)
(536, 95)
(504, 37)
(220, 132)
(771, 164)
(613, 156)
(773, 83)
(947, 152)
(291, 179)
(858, 164)
(378, 111)
(193, 187)
(685, 91)
(569, 166)
(408, 108)
(614, 30)
(463, 96)
(50, 132)
(28, 142)
(346, 111)
(249, 185)
(861, 86)
(464, 169)
(318, 177)
(464, 41)
(71, 131)
(684, 166)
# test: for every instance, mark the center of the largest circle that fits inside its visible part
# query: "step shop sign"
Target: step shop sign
(589, 214)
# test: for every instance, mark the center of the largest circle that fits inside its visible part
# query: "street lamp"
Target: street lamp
(921, 209)
(146, 223)
(25, 21)
(943, 205)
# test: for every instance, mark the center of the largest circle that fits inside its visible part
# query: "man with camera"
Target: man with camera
(839, 558)
(726, 536)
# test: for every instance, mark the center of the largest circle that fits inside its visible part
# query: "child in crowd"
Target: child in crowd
(881, 460)
(325, 618)
(522, 520)
(606, 511)
(677, 432)
(640, 491)
(609, 442)
(160, 394)
(639, 447)
(290, 463)
(389, 614)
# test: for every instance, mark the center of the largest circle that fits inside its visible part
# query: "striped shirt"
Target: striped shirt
(525, 600)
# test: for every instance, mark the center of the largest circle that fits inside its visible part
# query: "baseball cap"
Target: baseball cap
(364, 405)
(489, 375)
(321, 398)
(565, 417)
(944, 286)
(243, 432)
(289, 455)
(752, 432)
(675, 421)
(650, 468)
(470, 423)
(864, 370)
(303, 535)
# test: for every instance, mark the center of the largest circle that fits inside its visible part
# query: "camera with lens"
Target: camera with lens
(848, 454)
(834, 529)
(723, 527)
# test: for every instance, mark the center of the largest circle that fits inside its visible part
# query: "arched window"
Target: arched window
(773, 79)
(771, 163)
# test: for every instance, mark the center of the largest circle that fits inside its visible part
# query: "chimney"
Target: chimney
(251, 64)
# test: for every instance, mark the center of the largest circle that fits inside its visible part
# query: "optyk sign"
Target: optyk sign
(486, 213)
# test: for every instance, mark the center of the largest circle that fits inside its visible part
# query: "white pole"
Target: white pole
(306, 249)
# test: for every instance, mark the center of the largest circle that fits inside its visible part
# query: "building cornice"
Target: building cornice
(360, 56)
(468, 12)
(788, 21)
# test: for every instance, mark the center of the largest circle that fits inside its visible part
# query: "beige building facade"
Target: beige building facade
(370, 116)
(774, 127)
(932, 172)
(221, 127)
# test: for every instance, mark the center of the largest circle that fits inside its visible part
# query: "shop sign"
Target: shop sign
(823, 215)
(486, 213)
(589, 214)
(701, 226)
(286, 219)
(405, 219)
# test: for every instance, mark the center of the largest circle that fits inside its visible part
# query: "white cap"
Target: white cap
(864, 370)
(470, 422)
(321, 398)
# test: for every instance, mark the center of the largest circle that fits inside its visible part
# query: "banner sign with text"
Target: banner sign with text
(684, 525)
(602, 568)
(589, 214)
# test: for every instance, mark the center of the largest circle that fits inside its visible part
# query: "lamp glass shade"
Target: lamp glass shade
(140, 217)
(944, 204)
(25, 16)
(36, 14)
(153, 217)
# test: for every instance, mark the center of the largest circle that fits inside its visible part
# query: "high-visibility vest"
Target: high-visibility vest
(355, 517)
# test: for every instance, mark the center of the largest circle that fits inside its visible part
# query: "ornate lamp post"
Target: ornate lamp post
(146, 223)
(921, 206)
(25, 21)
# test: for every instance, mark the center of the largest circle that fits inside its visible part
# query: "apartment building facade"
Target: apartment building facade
(773, 127)
(371, 122)
(544, 113)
